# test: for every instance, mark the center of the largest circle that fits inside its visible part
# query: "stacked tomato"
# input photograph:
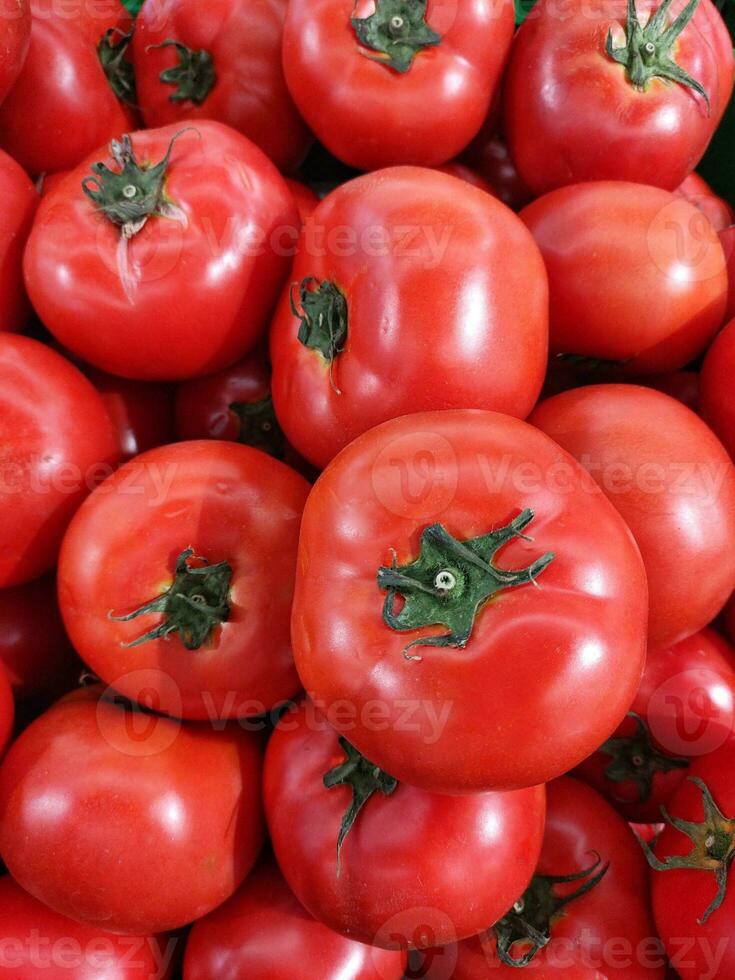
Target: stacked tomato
(367, 498)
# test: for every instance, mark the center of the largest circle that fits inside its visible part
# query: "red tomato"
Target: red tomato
(176, 578)
(582, 103)
(682, 385)
(697, 191)
(15, 36)
(222, 62)
(382, 876)
(647, 832)
(58, 443)
(16, 217)
(142, 413)
(34, 648)
(40, 943)
(691, 865)
(727, 237)
(673, 483)
(605, 933)
(182, 288)
(456, 169)
(489, 156)
(66, 103)
(399, 516)
(415, 80)
(718, 406)
(636, 275)
(685, 708)
(264, 933)
(305, 198)
(151, 822)
(387, 320)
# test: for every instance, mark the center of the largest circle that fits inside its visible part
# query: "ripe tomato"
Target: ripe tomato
(16, 217)
(305, 198)
(142, 413)
(684, 708)
(179, 281)
(589, 898)
(415, 80)
(592, 95)
(636, 275)
(38, 942)
(181, 567)
(692, 902)
(264, 933)
(426, 511)
(368, 856)
(386, 319)
(674, 484)
(15, 36)
(727, 237)
(221, 63)
(58, 443)
(697, 191)
(152, 822)
(718, 407)
(489, 156)
(34, 648)
(67, 100)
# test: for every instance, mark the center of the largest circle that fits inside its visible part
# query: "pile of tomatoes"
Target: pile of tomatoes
(367, 498)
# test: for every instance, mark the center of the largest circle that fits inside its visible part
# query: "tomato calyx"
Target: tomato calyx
(323, 313)
(258, 426)
(530, 920)
(646, 53)
(450, 580)
(714, 846)
(112, 52)
(194, 605)
(194, 76)
(397, 31)
(635, 759)
(364, 778)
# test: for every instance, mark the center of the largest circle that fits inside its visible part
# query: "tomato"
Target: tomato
(692, 902)
(715, 392)
(75, 90)
(697, 191)
(368, 856)
(682, 385)
(386, 319)
(554, 659)
(16, 217)
(142, 413)
(264, 933)
(582, 102)
(221, 63)
(727, 237)
(589, 897)
(179, 283)
(673, 483)
(152, 822)
(38, 942)
(58, 442)
(647, 832)
(415, 80)
(181, 566)
(305, 198)
(636, 275)
(456, 169)
(685, 707)
(34, 648)
(489, 156)
(15, 36)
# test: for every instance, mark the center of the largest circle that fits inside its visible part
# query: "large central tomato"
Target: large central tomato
(469, 598)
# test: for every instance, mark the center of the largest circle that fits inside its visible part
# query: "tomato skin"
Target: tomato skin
(399, 356)
(15, 36)
(687, 702)
(250, 94)
(19, 205)
(697, 191)
(142, 413)
(305, 198)
(200, 293)
(66, 949)
(572, 115)
(613, 253)
(456, 169)
(727, 237)
(377, 117)
(58, 443)
(143, 803)
(670, 478)
(716, 387)
(586, 939)
(226, 502)
(62, 107)
(393, 890)
(377, 497)
(264, 933)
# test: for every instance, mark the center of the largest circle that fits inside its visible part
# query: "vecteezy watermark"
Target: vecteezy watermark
(100, 954)
(691, 713)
